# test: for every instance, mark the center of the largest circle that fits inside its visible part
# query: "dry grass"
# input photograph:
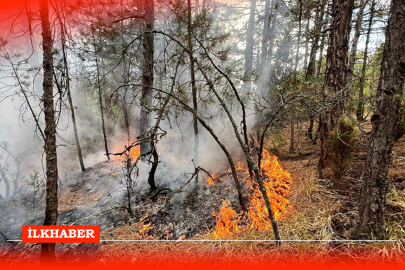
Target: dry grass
(314, 206)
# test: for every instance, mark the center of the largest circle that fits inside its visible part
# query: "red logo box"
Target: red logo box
(61, 234)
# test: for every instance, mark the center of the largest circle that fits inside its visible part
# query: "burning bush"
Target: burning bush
(277, 182)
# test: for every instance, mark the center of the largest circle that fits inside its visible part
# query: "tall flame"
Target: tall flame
(227, 221)
(277, 182)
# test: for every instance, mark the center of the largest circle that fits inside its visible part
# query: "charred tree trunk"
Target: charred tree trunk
(384, 125)
(193, 83)
(360, 104)
(155, 163)
(51, 210)
(147, 72)
(336, 70)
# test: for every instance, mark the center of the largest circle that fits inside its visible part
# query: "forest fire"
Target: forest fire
(134, 152)
(277, 182)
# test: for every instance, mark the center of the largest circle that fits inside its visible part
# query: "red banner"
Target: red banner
(61, 234)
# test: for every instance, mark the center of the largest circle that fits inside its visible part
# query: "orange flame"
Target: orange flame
(227, 221)
(277, 183)
(210, 179)
(134, 152)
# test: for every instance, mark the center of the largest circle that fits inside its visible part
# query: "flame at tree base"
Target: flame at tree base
(277, 182)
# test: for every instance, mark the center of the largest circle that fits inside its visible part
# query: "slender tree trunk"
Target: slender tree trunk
(312, 59)
(265, 38)
(147, 72)
(125, 77)
(6, 181)
(249, 49)
(316, 37)
(384, 125)
(360, 104)
(307, 38)
(336, 70)
(323, 39)
(100, 101)
(359, 22)
(292, 122)
(272, 32)
(69, 95)
(51, 210)
(193, 83)
(264, 66)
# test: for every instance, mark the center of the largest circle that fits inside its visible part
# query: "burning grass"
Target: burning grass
(277, 182)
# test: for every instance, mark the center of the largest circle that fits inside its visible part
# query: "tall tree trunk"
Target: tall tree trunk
(265, 35)
(360, 104)
(307, 38)
(323, 39)
(336, 69)
(193, 83)
(69, 96)
(51, 210)
(316, 37)
(264, 65)
(100, 100)
(359, 22)
(125, 77)
(312, 59)
(147, 72)
(272, 32)
(249, 49)
(384, 125)
(292, 139)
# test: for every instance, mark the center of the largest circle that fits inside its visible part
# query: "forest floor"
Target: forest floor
(323, 211)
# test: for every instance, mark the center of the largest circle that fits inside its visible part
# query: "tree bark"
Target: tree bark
(51, 210)
(147, 71)
(385, 120)
(360, 104)
(336, 70)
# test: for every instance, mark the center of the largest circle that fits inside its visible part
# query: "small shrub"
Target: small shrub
(277, 141)
(341, 147)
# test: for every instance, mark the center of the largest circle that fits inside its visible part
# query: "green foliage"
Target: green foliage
(36, 187)
(341, 147)
(277, 141)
